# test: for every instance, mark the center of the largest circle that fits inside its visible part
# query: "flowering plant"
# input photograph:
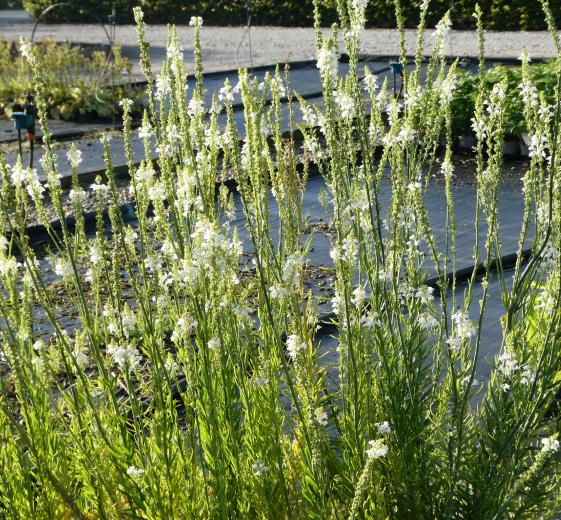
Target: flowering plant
(184, 365)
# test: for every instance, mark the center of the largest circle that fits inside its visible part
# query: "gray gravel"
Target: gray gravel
(276, 44)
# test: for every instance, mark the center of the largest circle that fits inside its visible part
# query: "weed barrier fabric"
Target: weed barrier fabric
(510, 207)
(305, 81)
(491, 333)
(464, 192)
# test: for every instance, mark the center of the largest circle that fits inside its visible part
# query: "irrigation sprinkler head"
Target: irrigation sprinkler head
(31, 112)
(24, 119)
(396, 69)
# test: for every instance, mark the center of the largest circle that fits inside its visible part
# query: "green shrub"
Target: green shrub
(10, 4)
(179, 377)
(499, 14)
(544, 76)
(78, 84)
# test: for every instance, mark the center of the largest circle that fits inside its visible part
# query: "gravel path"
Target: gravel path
(277, 44)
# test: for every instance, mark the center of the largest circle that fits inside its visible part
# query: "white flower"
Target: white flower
(545, 302)
(196, 21)
(175, 52)
(226, 95)
(130, 236)
(463, 327)
(278, 292)
(507, 364)
(134, 472)
(345, 103)
(95, 254)
(172, 134)
(259, 468)
(406, 134)
(529, 93)
(528, 376)
(294, 345)
(537, 146)
(38, 345)
(369, 321)
(479, 128)
(196, 107)
(277, 86)
(157, 192)
(442, 29)
(144, 174)
(321, 417)
(34, 186)
(425, 294)
(550, 444)
(214, 344)
(427, 321)
(138, 15)
(8, 265)
(377, 449)
(125, 357)
(63, 268)
(447, 88)
(359, 5)
(327, 62)
(162, 86)
(546, 113)
(308, 115)
(18, 175)
(447, 168)
(125, 103)
(454, 344)
(359, 295)
(74, 157)
(292, 267)
(370, 80)
(384, 427)
(145, 131)
(77, 195)
(25, 48)
(336, 303)
(498, 91)
(350, 249)
(38, 365)
(335, 253)
(101, 190)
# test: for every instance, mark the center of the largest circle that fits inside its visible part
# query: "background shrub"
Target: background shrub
(10, 4)
(80, 84)
(544, 76)
(499, 14)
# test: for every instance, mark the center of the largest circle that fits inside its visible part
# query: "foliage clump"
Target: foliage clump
(501, 15)
(202, 378)
(543, 75)
(77, 83)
